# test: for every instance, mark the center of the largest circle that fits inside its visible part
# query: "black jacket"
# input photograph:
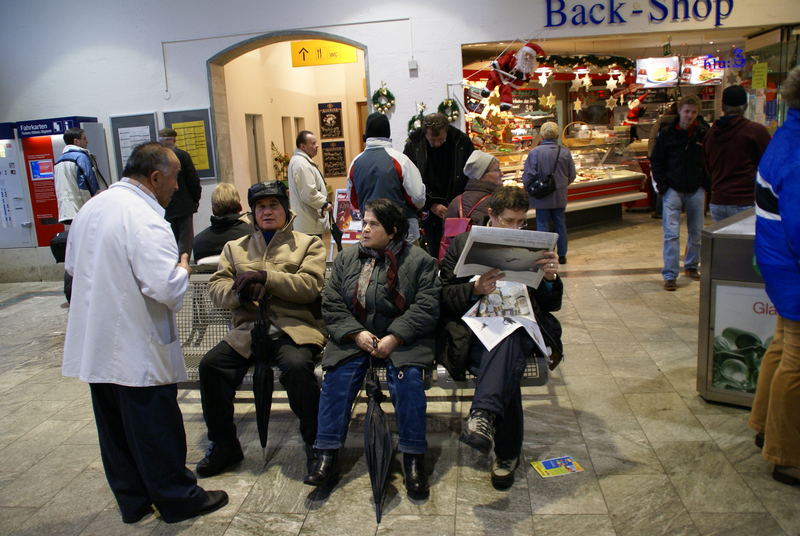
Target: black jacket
(211, 240)
(677, 160)
(455, 338)
(440, 189)
(186, 200)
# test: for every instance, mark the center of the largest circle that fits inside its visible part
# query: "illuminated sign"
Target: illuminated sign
(320, 52)
(616, 12)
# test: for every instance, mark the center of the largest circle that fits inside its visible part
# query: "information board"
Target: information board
(330, 120)
(127, 132)
(194, 137)
(334, 161)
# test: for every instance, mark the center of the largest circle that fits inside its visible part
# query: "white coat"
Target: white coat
(307, 194)
(126, 289)
(69, 196)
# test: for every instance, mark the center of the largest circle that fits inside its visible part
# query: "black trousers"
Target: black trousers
(143, 447)
(498, 372)
(183, 229)
(222, 369)
(433, 227)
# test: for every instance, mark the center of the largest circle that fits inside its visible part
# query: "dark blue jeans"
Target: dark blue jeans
(556, 216)
(339, 390)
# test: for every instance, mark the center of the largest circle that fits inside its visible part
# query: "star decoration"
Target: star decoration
(586, 81)
(543, 78)
(577, 105)
(549, 101)
(611, 83)
(611, 103)
(576, 83)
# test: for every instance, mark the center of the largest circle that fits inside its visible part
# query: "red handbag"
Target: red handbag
(455, 226)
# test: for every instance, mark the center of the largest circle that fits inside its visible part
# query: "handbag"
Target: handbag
(541, 187)
(455, 226)
(58, 246)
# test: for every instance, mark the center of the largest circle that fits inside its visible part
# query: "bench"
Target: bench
(201, 325)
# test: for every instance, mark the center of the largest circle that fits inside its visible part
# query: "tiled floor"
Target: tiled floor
(658, 459)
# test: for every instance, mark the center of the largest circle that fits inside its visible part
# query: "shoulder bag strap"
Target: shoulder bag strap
(461, 207)
(481, 200)
(555, 164)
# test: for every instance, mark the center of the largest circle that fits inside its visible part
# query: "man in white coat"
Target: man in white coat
(122, 338)
(308, 193)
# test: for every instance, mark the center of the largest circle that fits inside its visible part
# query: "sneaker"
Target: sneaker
(503, 473)
(219, 457)
(670, 285)
(692, 273)
(478, 430)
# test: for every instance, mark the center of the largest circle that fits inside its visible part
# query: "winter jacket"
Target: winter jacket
(455, 338)
(677, 161)
(440, 190)
(417, 280)
(777, 244)
(542, 160)
(295, 266)
(125, 292)
(382, 172)
(185, 201)
(74, 181)
(733, 147)
(223, 229)
(308, 193)
(475, 191)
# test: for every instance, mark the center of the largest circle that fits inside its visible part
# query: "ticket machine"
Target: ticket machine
(15, 213)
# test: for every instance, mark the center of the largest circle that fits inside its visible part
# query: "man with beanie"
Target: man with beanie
(483, 171)
(276, 274)
(380, 171)
(733, 148)
(440, 151)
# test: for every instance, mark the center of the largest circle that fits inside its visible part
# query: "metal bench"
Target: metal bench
(201, 325)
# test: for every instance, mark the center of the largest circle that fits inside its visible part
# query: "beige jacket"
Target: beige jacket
(308, 193)
(295, 266)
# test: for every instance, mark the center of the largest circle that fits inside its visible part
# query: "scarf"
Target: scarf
(391, 252)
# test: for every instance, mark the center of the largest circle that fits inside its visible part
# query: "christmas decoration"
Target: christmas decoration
(449, 108)
(635, 110)
(611, 103)
(383, 100)
(577, 105)
(416, 120)
(280, 163)
(586, 81)
(591, 61)
(611, 83)
(511, 71)
(549, 101)
(543, 78)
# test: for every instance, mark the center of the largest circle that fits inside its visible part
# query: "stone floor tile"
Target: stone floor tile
(598, 395)
(416, 524)
(729, 524)
(780, 500)
(736, 440)
(705, 479)
(109, 522)
(482, 519)
(340, 521)
(597, 428)
(199, 526)
(442, 467)
(29, 415)
(576, 493)
(573, 525)
(550, 420)
(621, 348)
(22, 454)
(257, 524)
(665, 417)
(620, 456)
(645, 505)
(76, 410)
(13, 518)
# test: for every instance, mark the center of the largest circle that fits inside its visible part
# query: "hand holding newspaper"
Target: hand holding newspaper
(514, 251)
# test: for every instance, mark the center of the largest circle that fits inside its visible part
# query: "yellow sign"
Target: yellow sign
(319, 52)
(192, 139)
(759, 80)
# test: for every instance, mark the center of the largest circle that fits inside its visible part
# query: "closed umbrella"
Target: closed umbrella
(378, 446)
(263, 376)
(336, 233)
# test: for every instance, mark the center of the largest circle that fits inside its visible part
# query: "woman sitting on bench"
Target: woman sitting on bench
(496, 412)
(381, 303)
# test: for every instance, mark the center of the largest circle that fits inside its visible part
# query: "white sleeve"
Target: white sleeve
(412, 181)
(153, 257)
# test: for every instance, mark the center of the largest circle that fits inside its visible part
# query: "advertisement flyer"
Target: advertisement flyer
(557, 466)
(657, 72)
(701, 71)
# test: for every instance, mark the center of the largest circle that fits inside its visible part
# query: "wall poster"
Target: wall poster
(127, 132)
(334, 161)
(330, 120)
(194, 137)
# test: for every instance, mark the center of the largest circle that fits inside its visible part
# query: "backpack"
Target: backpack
(541, 187)
(455, 226)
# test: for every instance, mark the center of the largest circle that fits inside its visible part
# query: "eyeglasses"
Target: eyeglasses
(512, 223)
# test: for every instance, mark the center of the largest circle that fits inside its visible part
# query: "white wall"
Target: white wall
(101, 58)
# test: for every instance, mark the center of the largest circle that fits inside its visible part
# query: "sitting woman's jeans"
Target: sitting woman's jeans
(340, 387)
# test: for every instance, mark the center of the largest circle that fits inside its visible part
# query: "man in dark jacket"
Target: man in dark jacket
(733, 148)
(184, 203)
(226, 222)
(440, 152)
(679, 172)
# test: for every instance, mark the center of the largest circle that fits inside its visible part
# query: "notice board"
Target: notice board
(334, 162)
(127, 132)
(194, 137)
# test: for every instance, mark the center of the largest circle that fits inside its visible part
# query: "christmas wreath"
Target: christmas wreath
(415, 122)
(382, 100)
(449, 108)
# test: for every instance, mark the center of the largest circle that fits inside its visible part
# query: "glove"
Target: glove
(250, 286)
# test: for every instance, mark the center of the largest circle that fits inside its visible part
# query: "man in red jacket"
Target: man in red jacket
(733, 147)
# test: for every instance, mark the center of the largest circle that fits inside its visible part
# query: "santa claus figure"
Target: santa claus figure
(511, 71)
(635, 110)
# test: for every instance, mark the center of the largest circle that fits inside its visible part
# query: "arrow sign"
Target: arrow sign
(311, 52)
(303, 51)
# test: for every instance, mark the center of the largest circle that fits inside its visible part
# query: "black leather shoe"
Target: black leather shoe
(324, 468)
(311, 457)
(416, 478)
(214, 501)
(135, 518)
(219, 458)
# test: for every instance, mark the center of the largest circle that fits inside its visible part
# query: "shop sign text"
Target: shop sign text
(616, 12)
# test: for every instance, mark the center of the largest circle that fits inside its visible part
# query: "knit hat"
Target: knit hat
(734, 96)
(477, 164)
(260, 190)
(377, 126)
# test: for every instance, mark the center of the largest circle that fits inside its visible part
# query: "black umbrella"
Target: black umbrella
(263, 376)
(378, 447)
(336, 233)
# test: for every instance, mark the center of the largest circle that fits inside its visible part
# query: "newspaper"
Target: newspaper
(514, 251)
(496, 315)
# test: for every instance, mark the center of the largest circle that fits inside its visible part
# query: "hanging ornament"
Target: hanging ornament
(611, 83)
(449, 109)
(577, 105)
(576, 83)
(416, 120)
(622, 100)
(549, 100)
(611, 103)
(383, 100)
(586, 81)
(543, 78)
